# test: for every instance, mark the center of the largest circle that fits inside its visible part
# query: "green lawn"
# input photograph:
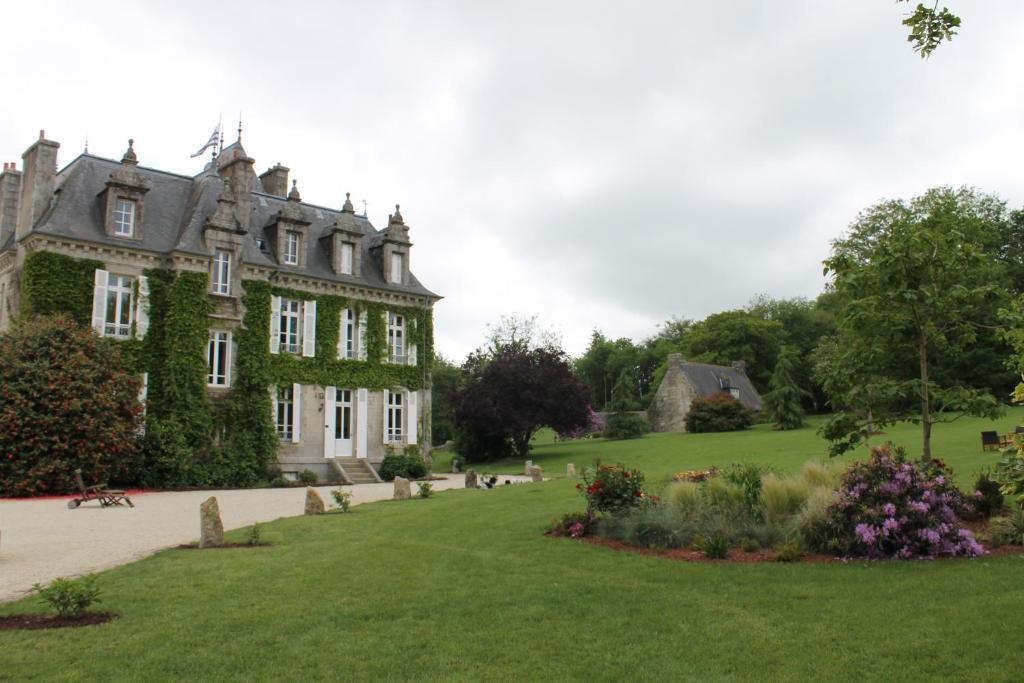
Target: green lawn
(464, 586)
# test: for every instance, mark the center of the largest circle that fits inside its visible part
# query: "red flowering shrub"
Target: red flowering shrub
(718, 413)
(65, 403)
(612, 488)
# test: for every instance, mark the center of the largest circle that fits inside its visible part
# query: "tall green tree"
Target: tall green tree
(625, 395)
(783, 401)
(911, 276)
(444, 381)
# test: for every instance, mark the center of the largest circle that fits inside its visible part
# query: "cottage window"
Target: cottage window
(124, 217)
(290, 335)
(291, 248)
(118, 321)
(218, 359)
(343, 415)
(392, 417)
(735, 392)
(396, 268)
(285, 414)
(222, 272)
(396, 338)
(347, 253)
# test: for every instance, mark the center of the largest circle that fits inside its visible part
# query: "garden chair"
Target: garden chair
(100, 492)
(990, 441)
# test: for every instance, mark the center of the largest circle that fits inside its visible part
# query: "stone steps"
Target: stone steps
(358, 471)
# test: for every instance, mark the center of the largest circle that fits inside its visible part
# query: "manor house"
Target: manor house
(345, 325)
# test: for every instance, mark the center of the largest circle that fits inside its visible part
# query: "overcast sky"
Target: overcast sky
(605, 165)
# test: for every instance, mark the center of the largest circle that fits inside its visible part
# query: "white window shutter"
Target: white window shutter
(309, 329)
(412, 401)
(99, 300)
(141, 306)
(384, 429)
(296, 413)
(275, 324)
(330, 397)
(361, 352)
(362, 401)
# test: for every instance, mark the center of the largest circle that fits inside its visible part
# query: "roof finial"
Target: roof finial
(294, 195)
(239, 127)
(347, 207)
(129, 156)
(397, 218)
(86, 150)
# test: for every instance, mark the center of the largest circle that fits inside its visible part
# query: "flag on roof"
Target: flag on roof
(212, 142)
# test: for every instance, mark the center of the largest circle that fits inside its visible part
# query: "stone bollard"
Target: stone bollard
(314, 503)
(536, 473)
(526, 470)
(471, 482)
(570, 471)
(455, 465)
(402, 491)
(211, 529)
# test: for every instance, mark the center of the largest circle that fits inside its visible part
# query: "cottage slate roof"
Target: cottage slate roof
(177, 207)
(710, 379)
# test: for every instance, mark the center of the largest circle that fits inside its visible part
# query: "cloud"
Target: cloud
(600, 165)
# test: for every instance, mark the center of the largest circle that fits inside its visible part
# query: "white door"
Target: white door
(343, 424)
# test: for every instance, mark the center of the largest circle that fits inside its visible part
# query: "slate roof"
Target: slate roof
(177, 207)
(710, 379)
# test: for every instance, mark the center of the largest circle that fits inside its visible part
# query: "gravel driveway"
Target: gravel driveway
(43, 539)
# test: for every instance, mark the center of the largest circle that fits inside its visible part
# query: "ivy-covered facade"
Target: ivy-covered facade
(266, 330)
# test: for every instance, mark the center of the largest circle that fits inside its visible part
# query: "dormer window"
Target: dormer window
(734, 392)
(221, 280)
(124, 217)
(396, 268)
(291, 248)
(347, 254)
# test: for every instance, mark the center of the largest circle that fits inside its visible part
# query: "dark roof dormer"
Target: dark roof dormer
(289, 232)
(395, 249)
(344, 242)
(125, 198)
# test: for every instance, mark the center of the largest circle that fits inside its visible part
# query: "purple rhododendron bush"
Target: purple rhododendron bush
(892, 507)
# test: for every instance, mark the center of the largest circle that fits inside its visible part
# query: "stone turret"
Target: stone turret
(10, 195)
(235, 165)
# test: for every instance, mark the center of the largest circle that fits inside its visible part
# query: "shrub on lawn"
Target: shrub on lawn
(343, 499)
(811, 522)
(574, 524)
(987, 498)
(782, 498)
(717, 413)
(1008, 530)
(626, 426)
(1010, 474)
(308, 477)
(67, 597)
(405, 465)
(65, 404)
(612, 489)
(889, 507)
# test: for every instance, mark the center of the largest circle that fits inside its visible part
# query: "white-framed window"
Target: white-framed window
(221, 272)
(396, 268)
(396, 338)
(285, 418)
(118, 321)
(124, 217)
(347, 340)
(291, 326)
(218, 359)
(291, 248)
(347, 255)
(392, 417)
(735, 392)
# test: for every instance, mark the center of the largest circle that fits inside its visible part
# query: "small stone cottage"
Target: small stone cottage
(685, 381)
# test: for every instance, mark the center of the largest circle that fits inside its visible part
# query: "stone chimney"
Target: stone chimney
(275, 180)
(740, 366)
(10, 195)
(37, 183)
